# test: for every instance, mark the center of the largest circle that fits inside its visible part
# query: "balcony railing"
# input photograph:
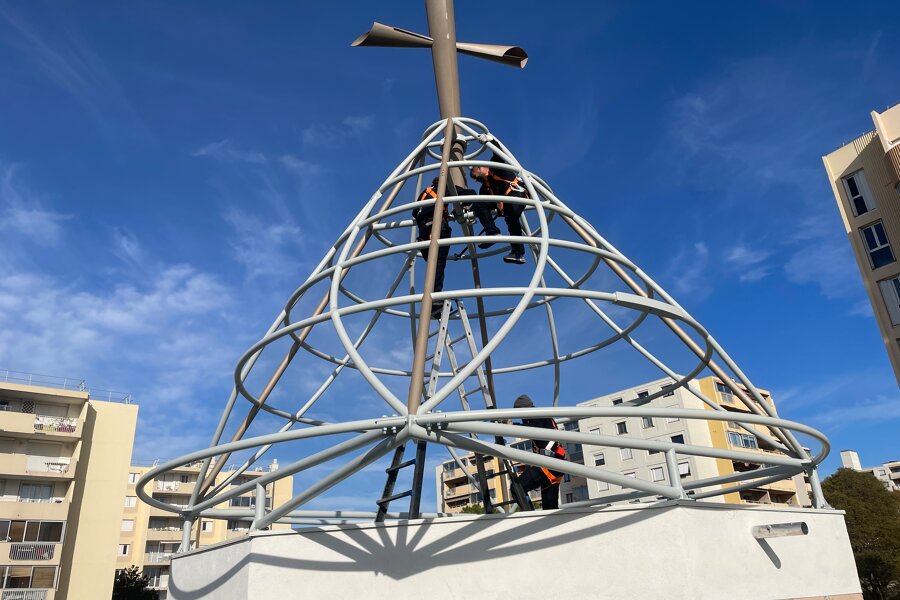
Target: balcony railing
(167, 486)
(156, 557)
(55, 424)
(24, 595)
(31, 551)
(47, 464)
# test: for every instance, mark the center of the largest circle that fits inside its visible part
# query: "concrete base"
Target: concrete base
(690, 550)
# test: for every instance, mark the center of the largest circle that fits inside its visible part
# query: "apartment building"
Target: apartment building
(651, 466)
(63, 463)
(887, 473)
(149, 536)
(865, 179)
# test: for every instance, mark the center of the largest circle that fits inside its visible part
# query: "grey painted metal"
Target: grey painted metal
(549, 226)
(762, 532)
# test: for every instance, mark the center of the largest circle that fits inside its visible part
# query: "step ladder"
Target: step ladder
(444, 344)
(447, 344)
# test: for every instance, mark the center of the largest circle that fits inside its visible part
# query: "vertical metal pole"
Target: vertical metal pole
(674, 475)
(818, 497)
(186, 534)
(418, 475)
(259, 508)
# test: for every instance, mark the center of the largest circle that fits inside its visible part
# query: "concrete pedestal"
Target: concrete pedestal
(690, 550)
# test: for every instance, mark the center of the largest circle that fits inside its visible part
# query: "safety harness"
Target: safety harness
(430, 193)
(513, 185)
(553, 450)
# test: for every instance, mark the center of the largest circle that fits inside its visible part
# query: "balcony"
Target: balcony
(32, 551)
(169, 534)
(58, 426)
(54, 467)
(158, 558)
(50, 465)
(24, 595)
(51, 509)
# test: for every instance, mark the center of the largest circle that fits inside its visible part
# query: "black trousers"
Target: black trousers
(511, 214)
(424, 225)
(533, 478)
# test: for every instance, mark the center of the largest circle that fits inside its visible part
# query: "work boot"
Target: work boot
(489, 232)
(515, 257)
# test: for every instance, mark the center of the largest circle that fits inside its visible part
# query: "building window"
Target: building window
(569, 498)
(602, 486)
(567, 478)
(877, 244)
(31, 531)
(671, 419)
(723, 389)
(133, 477)
(671, 389)
(127, 524)
(742, 440)
(35, 492)
(206, 526)
(124, 549)
(656, 474)
(235, 525)
(684, 469)
(890, 291)
(599, 460)
(632, 475)
(678, 439)
(647, 422)
(571, 426)
(617, 402)
(622, 427)
(643, 394)
(626, 453)
(130, 501)
(858, 192)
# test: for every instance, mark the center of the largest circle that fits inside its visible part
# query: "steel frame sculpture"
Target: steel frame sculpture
(448, 147)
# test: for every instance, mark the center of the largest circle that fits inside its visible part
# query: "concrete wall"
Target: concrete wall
(96, 516)
(687, 550)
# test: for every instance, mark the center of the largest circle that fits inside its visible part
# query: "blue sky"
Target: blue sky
(169, 173)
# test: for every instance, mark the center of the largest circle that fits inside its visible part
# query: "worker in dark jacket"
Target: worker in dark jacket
(424, 217)
(533, 477)
(500, 182)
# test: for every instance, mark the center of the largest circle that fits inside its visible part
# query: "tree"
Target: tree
(873, 523)
(476, 509)
(131, 584)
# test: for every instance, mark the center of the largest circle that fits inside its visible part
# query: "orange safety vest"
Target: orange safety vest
(430, 193)
(559, 450)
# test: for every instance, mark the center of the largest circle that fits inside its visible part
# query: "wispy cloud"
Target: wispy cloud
(321, 135)
(225, 151)
(22, 213)
(687, 270)
(264, 248)
(749, 262)
(66, 60)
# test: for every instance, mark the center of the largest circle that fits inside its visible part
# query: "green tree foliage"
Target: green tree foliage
(131, 584)
(476, 509)
(873, 522)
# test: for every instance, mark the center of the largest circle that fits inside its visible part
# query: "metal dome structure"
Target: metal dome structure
(572, 263)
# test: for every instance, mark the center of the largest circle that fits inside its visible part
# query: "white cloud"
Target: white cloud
(22, 214)
(225, 151)
(264, 248)
(320, 135)
(687, 271)
(829, 264)
(748, 262)
(127, 247)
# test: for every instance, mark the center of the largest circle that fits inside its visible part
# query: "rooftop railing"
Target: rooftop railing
(75, 384)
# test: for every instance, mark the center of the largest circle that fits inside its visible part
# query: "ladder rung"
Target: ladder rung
(394, 497)
(402, 465)
(507, 503)
(456, 340)
(470, 392)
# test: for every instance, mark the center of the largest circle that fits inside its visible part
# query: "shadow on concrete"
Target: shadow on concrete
(403, 558)
(770, 552)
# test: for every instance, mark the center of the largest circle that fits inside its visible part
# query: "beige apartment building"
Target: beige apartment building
(651, 466)
(148, 536)
(63, 465)
(887, 473)
(454, 492)
(865, 179)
